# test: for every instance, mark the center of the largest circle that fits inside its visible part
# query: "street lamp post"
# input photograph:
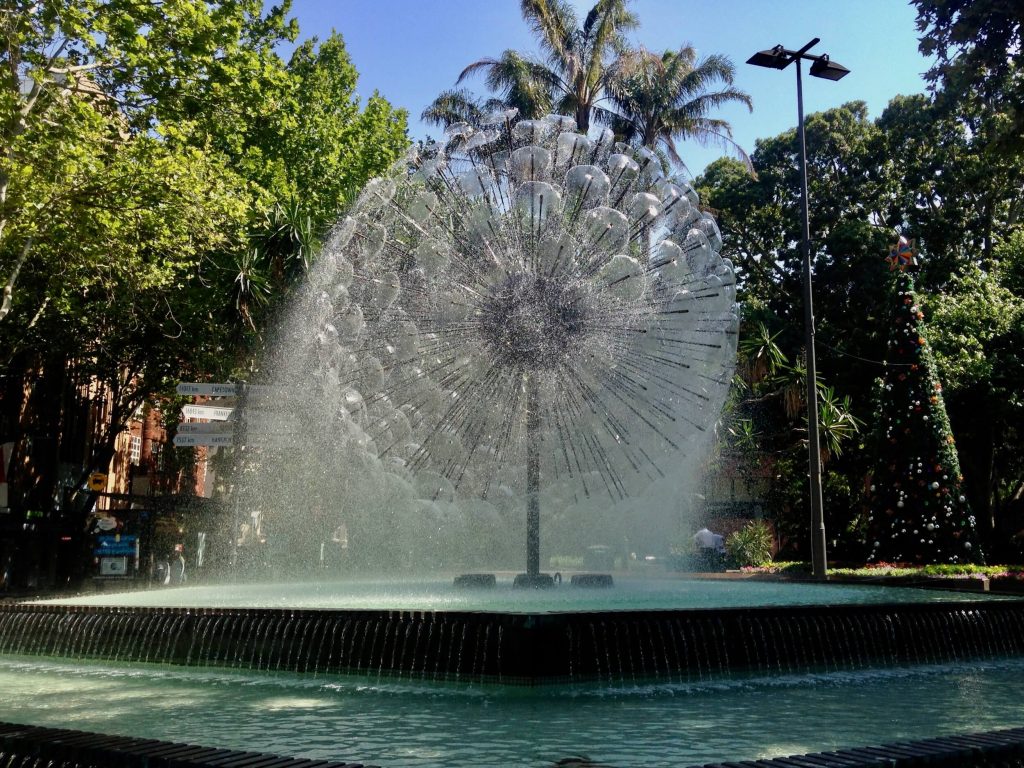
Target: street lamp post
(821, 66)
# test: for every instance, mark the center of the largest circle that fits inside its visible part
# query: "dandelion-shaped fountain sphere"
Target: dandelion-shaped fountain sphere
(524, 311)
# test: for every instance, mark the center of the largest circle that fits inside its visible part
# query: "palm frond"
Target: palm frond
(481, 65)
(718, 133)
(454, 106)
(552, 23)
(668, 97)
(835, 420)
(574, 71)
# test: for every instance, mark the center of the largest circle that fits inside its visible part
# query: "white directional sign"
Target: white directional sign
(211, 412)
(196, 440)
(197, 428)
(206, 389)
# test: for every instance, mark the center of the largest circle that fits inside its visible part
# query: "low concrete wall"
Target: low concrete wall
(993, 749)
(27, 746)
(32, 747)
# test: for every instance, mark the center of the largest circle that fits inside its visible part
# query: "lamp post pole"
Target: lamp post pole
(780, 58)
(818, 553)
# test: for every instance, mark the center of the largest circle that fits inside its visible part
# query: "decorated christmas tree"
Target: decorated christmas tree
(917, 511)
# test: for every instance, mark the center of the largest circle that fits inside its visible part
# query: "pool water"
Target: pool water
(627, 594)
(405, 725)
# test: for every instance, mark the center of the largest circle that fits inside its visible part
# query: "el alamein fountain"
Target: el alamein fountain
(516, 344)
(521, 323)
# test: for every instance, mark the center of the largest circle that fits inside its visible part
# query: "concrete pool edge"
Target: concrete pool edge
(29, 745)
(61, 748)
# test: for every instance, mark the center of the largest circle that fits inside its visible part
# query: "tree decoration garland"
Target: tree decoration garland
(918, 512)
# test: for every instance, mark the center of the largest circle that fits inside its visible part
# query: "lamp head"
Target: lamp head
(773, 58)
(829, 70)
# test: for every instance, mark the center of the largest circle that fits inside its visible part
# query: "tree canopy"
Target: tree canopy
(588, 70)
(162, 167)
(979, 60)
(661, 98)
(917, 170)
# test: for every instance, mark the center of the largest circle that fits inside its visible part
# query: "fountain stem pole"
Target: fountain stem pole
(532, 477)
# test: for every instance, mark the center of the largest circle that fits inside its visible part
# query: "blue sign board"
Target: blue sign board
(117, 544)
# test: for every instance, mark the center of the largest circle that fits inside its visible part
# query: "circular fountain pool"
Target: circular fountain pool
(438, 595)
(399, 724)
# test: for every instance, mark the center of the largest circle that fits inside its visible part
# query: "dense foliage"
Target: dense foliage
(920, 170)
(751, 545)
(165, 176)
(979, 58)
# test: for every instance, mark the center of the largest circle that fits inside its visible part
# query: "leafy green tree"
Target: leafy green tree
(917, 169)
(913, 170)
(330, 144)
(147, 150)
(659, 99)
(977, 331)
(305, 162)
(87, 74)
(113, 285)
(760, 220)
(977, 45)
(956, 197)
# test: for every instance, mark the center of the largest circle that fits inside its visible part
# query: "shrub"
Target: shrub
(751, 545)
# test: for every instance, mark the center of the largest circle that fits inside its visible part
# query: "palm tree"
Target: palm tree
(660, 99)
(279, 252)
(458, 105)
(575, 69)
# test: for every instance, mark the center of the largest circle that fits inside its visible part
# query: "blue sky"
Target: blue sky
(410, 50)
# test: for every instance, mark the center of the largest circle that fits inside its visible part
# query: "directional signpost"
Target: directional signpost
(197, 428)
(210, 439)
(204, 389)
(210, 412)
(214, 432)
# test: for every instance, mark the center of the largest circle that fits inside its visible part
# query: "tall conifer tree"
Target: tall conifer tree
(917, 509)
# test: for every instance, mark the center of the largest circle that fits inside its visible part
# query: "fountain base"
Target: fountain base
(527, 648)
(592, 580)
(534, 581)
(476, 581)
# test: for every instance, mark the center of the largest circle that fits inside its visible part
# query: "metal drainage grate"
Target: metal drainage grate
(31, 746)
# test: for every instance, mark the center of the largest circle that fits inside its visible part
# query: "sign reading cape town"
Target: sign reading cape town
(207, 389)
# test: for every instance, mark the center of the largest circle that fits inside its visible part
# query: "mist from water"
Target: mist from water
(513, 272)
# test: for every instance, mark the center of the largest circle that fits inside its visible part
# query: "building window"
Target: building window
(135, 449)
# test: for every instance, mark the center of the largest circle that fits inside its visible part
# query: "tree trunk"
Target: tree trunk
(583, 119)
